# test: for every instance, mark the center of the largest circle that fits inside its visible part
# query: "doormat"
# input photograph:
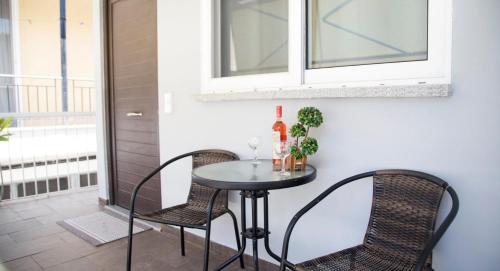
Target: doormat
(100, 228)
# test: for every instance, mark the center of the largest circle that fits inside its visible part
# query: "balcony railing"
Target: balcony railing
(50, 151)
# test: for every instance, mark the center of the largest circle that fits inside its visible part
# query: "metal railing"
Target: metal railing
(44, 94)
(50, 151)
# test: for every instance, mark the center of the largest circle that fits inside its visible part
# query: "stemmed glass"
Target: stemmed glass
(254, 143)
(283, 150)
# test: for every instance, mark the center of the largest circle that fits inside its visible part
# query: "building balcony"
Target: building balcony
(49, 150)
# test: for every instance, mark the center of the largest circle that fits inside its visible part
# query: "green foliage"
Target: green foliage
(305, 145)
(310, 116)
(309, 146)
(295, 152)
(298, 130)
(4, 124)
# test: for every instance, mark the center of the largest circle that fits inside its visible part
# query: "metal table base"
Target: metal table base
(254, 232)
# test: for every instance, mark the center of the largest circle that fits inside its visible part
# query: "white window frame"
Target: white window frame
(435, 70)
(245, 83)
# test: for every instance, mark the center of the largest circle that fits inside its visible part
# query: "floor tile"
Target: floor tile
(19, 250)
(80, 210)
(19, 226)
(5, 240)
(35, 212)
(50, 219)
(23, 264)
(25, 205)
(69, 237)
(63, 254)
(36, 233)
(7, 215)
(81, 264)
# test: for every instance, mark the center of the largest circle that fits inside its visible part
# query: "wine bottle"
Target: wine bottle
(279, 135)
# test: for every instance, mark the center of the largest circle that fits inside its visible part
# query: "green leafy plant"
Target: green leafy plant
(4, 124)
(308, 117)
(4, 136)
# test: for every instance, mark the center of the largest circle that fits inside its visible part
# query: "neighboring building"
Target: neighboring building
(6, 53)
(30, 46)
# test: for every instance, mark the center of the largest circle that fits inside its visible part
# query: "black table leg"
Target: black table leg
(254, 232)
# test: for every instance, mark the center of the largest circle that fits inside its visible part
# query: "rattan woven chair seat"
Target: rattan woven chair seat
(184, 214)
(195, 211)
(359, 258)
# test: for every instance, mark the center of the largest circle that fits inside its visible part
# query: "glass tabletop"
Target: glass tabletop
(244, 175)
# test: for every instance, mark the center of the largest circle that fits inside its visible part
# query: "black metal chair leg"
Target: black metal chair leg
(183, 249)
(208, 229)
(207, 247)
(129, 249)
(237, 235)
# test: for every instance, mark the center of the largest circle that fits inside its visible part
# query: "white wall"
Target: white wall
(456, 138)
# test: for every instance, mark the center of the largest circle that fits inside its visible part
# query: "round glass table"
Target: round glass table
(254, 181)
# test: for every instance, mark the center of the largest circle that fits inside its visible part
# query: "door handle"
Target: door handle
(134, 114)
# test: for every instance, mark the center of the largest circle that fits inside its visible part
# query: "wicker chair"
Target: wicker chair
(194, 213)
(400, 234)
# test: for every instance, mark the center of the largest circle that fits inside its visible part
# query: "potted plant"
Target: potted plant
(4, 124)
(304, 145)
(4, 136)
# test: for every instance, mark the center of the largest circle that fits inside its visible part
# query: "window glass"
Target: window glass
(252, 37)
(358, 32)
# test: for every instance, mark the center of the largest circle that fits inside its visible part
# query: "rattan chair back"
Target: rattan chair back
(200, 195)
(404, 211)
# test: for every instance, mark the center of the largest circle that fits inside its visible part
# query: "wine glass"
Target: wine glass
(283, 150)
(254, 143)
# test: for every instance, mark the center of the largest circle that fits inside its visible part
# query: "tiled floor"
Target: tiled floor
(30, 239)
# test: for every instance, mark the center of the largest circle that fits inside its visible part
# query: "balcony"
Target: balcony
(50, 151)
(401, 85)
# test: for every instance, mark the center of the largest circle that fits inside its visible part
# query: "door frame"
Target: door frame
(103, 128)
(110, 104)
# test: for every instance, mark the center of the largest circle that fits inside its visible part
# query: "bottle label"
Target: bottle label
(276, 143)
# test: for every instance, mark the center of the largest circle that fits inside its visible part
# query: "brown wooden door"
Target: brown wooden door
(134, 100)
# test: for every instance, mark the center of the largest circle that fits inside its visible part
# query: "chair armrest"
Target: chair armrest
(147, 178)
(309, 206)
(440, 231)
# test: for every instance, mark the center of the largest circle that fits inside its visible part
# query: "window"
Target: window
(249, 45)
(348, 33)
(260, 45)
(252, 39)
